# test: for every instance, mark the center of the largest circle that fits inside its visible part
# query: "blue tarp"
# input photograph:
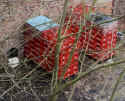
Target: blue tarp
(41, 23)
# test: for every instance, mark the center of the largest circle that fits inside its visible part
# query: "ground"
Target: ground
(97, 85)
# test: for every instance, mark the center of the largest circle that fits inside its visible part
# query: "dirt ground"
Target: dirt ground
(97, 85)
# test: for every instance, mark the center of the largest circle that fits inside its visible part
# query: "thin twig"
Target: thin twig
(116, 85)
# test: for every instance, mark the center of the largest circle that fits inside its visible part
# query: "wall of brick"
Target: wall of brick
(20, 10)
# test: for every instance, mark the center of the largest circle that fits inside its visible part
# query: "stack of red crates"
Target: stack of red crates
(98, 40)
(99, 44)
(38, 47)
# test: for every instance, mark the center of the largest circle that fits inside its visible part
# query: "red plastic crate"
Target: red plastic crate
(99, 43)
(75, 14)
(40, 46)
(102, 44)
